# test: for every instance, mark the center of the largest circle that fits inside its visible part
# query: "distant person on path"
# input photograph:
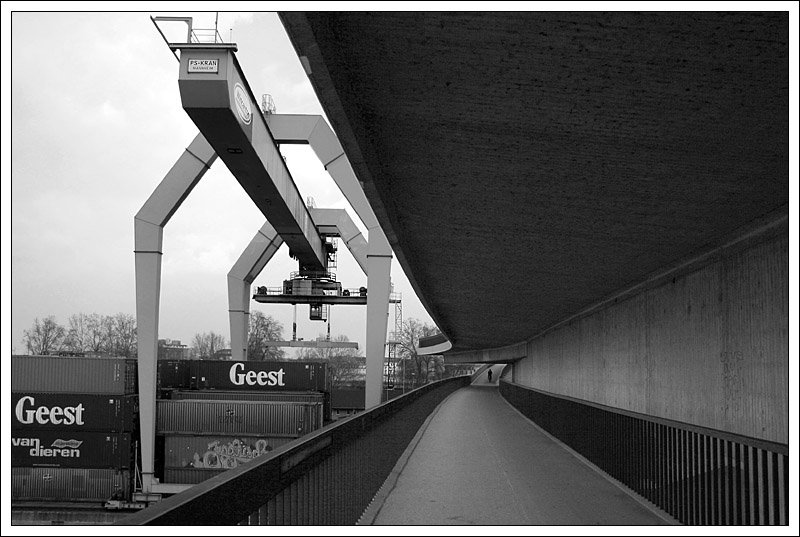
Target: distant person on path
(490, 375)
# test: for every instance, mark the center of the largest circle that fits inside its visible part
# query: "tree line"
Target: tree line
(115, 335)
(262, 328)
(89, 333)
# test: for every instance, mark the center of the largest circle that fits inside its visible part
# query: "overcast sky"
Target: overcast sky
(96, 124)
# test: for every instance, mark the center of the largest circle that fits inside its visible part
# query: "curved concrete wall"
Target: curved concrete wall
(709, 347)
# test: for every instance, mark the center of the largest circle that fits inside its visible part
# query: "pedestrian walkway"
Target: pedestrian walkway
(480, 462)
(483, 378)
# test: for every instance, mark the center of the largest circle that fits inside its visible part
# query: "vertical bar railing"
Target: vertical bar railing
(327, 477)
(700, 476)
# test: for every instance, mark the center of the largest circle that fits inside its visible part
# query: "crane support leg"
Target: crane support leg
(379, 266)
(149, 225)
(315, 131)
(249, 265)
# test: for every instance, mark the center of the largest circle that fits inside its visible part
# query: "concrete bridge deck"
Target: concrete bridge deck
(478, 461)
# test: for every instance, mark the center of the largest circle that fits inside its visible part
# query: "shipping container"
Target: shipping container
(69, 374)
(298, 397)
(226, 395)
(71, 449)
(250, 418)
(219, 452)
(347, 399)
(189, 476)
(68, 411)
(244, 376)
(174, 374)
(70, 484)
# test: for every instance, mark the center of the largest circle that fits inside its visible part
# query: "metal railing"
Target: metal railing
(263, 290)
(313, 274)
(328, 477)
(698, 475)
(354, 291)
(275, 291)
(205, 35)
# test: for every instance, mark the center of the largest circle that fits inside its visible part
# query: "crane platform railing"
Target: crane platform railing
(273, 291)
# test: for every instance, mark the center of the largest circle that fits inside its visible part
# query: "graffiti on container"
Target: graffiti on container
(230, 455)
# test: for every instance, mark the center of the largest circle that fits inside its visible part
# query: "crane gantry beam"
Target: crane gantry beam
(217, 97)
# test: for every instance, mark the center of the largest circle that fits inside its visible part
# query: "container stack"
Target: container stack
(215, 415)
(74, 428)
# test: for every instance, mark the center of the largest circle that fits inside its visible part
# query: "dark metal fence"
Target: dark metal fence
(700, 476)
(326, 478)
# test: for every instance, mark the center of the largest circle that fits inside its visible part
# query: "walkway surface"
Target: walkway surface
(479, 461)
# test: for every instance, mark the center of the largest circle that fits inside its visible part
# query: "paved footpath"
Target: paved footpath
(479, 461)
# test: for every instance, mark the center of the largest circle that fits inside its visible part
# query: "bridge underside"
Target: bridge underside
(529, 165)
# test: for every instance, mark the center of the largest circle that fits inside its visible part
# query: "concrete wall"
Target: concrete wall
(709, 348)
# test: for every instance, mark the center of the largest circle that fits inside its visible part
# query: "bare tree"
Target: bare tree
(95, 337)
(424, 368)
(114, 335)
(344, 364)
(120, 335)
(208, 343)
(126, 332)
(45, 337)
(264, 328)
(76, 333)
(198, 346)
